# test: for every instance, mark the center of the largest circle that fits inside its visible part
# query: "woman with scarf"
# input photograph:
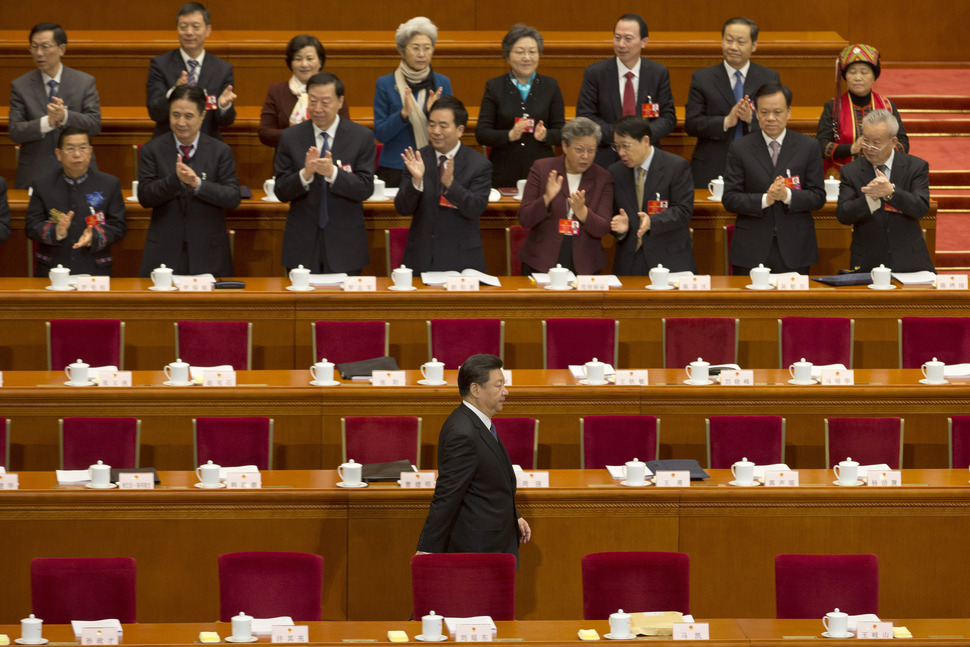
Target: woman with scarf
(403, 99)
(840, 127)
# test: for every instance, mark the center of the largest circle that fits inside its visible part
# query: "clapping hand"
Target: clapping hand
(880, 187)
(414, 163)
(63, 224)
(226, 98)
(577, 201)
(85, 239)
(56, 112)
(777, 191)
(553, 187)
(185, 173)
(540, 132)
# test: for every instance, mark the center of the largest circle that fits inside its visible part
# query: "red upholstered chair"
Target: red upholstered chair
(715, 339)
(214, 343)
(635, 581)
(614, 440)
(381, 439)
(350, 341)
(268, 584)
(99, 342)
(83, 588)
(820, 340)
(395, 240)
(514, 237)
(85, 441)
(464, 584)
(452, 341)
(577, 341)
(233, 441)
(958, 432)
(760, 439)
(923, 338)
(866, 440)
(809, 586)
(728, 235)
(5, 443)
(521, 439)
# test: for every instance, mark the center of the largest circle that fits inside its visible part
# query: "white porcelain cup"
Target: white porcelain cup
(242, 627)
(760, 276)
(520, 187)
(697, 371)
(269, 188)
(716, 187)
(208, 474)
(322, 371)
(801, 371)
(431, 626)
(831, 190)
(881, 276)
(620, 624)
(595, 372)
(558, 277)
(379, 186)
(300, 277)
(847, 472)
(350, 472)
(177, 372)
(134, 189)
(162, 277)
(77, 372)
(402, 277)
(743, 471)
(59, 277)
(433, 371)
(636, 472)
(933, 371)
(100, 474)
(836, 623)
(31, 630)
(659, 276)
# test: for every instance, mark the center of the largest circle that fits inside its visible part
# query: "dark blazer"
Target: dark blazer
(541, 247)
(747, 177)
(501, 104)
(343, 245)
(599, 99)
(473, 509)
(709, 100)
(4, 212)
(99, 193)
(182, 216)
(28, 105)
(214, 76)
(277, 109)
(668, 239)
(393, 132)
(893, 239)
(442, 238)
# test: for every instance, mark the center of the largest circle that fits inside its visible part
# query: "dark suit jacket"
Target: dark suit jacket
(747, 177)
(28, 104)
(4, 212)
(214, 76)
(893, 239)
(473, 509)
(709, 100)
(277, 109)
(541, 247)
(343, 245)
(181, 216)
(668, 239)
(501, 104)
(599, 99)
(442, 238)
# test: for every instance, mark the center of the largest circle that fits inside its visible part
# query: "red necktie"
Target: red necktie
(186, 153)
(629, 97)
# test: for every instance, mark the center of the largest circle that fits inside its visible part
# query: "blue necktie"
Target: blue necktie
(494, 431)
(323, 217)
(193, 77)
(52, 84)
(738, 95)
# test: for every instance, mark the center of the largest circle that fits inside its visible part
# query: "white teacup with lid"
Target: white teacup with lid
(697, 371)
(933, 371)
(350, 473)
(595, 372)
(743, 471)
(831, 189)
(433, 371)
(77, 373)
(716, 187)
(431, 627)
(31, 631)
(242, 628)
(323, 372)
(177, 373)
(100, 475)
(847, 471)
(760, 277)
(619, 625)
(300, 278)
(636, 471)
(59, 277)
(269, 188)
(881, 277)
(208, 474)
(162, 277)
(402, 277)
(801, 372)
(659, 276)
(558, 277)
(836, 624)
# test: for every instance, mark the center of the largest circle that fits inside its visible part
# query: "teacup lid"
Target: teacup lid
(179, 362)
(619, 614)
(162, 267)
(100, 463)
(209, 463)
(803, 361)
(836, 613)
(32, 619)
(660, 267)
(744, 461)
(301, 268)
(242, 614)
(558, 269)
(434, 361)
(403, 267)
(350, 462)
(699, 361)
(849, 462)
(594, 362)
(431, 616)
(79, 362)
(635, 462)
(325, 362)
(60, 269)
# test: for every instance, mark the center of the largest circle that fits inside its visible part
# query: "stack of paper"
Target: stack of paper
(542, 278)
(924, 277)
(440, 278)
(618, 472)
(264, 626)
(579, 371)
(956, 370)
(73, 477)
(328, 279)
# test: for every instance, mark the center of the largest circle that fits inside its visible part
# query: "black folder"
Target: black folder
(679, 464)
(364, 368)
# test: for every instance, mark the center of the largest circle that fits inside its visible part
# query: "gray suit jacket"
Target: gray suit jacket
(28, 104)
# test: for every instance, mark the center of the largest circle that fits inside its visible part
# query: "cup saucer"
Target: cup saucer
(800, 383)
(563, 289)
(713, 199)
(109, 486)
(21, 641)
(85, 383)
(925, 381)
(358, 485)
(52, 288)
(628, 484)
(406, 288)
(873, 286)
(849, 634)
(591, 383)
(422, 638)
(170, 288)
(748, 484)
(170, 383)
(856, 484)
(203, 486)
(251, 639)
(752, 286)
(430, 383)
(693, 383)
(330, 383)
(627, 637)
(660, 287)
(293, 288)
(265, 198)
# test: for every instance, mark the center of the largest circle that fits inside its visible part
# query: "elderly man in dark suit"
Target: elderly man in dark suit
(325, 170)
(627, 85)
(473, 509)
(46, 99)
(653, 201)
(191, 65)
(444, 188)
(718, 103)
(188, 180)
(773, 182)
(883, 195)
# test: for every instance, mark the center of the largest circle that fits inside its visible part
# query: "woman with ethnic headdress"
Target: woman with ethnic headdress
(840, 127)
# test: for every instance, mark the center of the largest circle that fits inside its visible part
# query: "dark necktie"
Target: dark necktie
(494, 431)
(884, 169)
(52, 84)
(441, 170)
(641, 176)
(193, 72)
(775, 147)
(186, 153)
(738, 95)
(629, 96)
(323, 216)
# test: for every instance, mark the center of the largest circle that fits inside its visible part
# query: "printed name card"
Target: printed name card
(194, 284)
(951, 281)
(114, 378)
(874, 630)
(781, 478)
(590, 282)
(793, 282)
(738, 378)
(633, 377)
(99, 636)
(417, 479)
(462, 284)
(94, 284)
(838, 377)
(9, 482)
(700, 282)
(388, 378)
(673, 479)
(136, 481)
(506, 373)
(533, 479)
(290, 634)
(243, 480)
(473, 633)
(691, 631)
(1, 378)
(884, 478)
(218, 378)
(360, 284)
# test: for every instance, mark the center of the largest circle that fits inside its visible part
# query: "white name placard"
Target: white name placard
(94, 284)
(533, 479)
(699, 282)
(114, 378)
(591, 282)
(691, 631)
(218, 378)
(884, 478)
(99, 636)
(506, 373)
(9, 482)
(951, 281)
(738, 378)
(136, 481)
(360, 284)
(290, 634)
(473, 633)
(793, 282)
(838, 377)
(781, 478)
(417, 479)
(1, 378)
(194, 284)
(244, 480)
(672, 479)
(633, 377)
(388, 378)
(462, 284)
(875, 631)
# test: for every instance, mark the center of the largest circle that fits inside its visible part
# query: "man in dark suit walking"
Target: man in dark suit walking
(719, 105)
(47, 99)
(627, 85)
(473, 509)
(883, 195)
(191, 65)
(444, 188)
(325, 170)
(773, 182)
(653, 201)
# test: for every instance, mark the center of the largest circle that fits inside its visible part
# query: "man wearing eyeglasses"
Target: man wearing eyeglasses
(883, 195)
(47, 99)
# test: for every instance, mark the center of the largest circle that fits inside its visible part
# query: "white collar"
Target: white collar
(780, 140)
(186, 58)
(888, 162)
(56, 77)
(450, 154)
(744, 71)
(481, 416)
(194, 144)
(623, 69)
(331, 131)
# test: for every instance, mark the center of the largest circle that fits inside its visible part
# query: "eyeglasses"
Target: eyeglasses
(420, 49)
(623, 147)
(42, 47)
(872, 147)
(70, 150)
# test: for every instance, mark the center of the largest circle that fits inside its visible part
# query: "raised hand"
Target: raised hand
(414, 163)
(577, 201)
(553, 187)
(63, 224)
(226, 98)
(183, 78)
(432, 97)
(620, 223)
(448, 173)
(540, 132)
(185, 173)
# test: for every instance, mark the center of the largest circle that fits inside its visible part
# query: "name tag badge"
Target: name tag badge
(243, 480)
(781, 478)
(656, 206)
(95, 219)
(738, 378)
(875, 630)
(533, 479)
(680, 478)
(211, 102)
(650, 110)
(345, 167)
(691, 631)
(194, 284)
(218, 378)
(568, 227)
(592, 282)
(888, 207)
(417, 479)
(290, 634)
(114, 378)
(951, 282)
(838, 378)
(99, 636)
(699, 282)
(360, 284)
(462, 284)
(793, 182)
(888, 478)
(9, 482)
(793, 282)
(388, 378)
(473, 633)
(530, 124)
(136, 481)
(93, 283)
(445, 202)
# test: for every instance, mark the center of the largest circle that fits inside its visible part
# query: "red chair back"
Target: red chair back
(614, 440)
(520, 437)
(270, 584)
(715, 339)
(85, 441)
(820, 340)
(869, 441)
(396, 240)
(214, 343)
(514, 237)
(577, 341)
(234, 441)
(464, 584)
(635, 581)
(5, 443)
(452, 341)
(809, 586)
(99, 342)
(349, 341)
(760, 439)
(923, 338)
(83, 588)
(381, 439)
(959, 431)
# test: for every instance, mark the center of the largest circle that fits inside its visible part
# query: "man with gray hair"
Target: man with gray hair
(883, 195)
